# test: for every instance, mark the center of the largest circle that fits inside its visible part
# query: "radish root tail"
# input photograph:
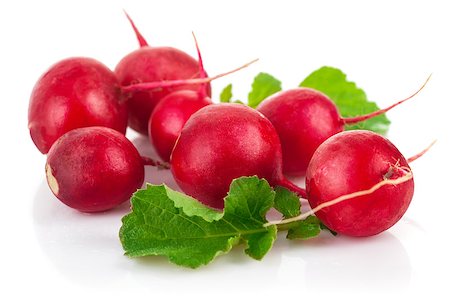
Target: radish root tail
(420, 154)
(144, 86)
(154, 163)
(357, 119)
(397, 181)
(140, 38)
(202, 72)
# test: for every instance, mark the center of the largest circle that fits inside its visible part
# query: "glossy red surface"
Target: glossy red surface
(169, 117)
(353, 161)
(150, 64)
(222, 142)
(303, 118)
(73, 93)
(94, 169)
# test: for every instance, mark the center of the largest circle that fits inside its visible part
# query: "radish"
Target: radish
(73, 93)
(153, 64)
(358, 184)
(169, 117)
(94, 169)
(304, 118)
(222, 142)
(172, 112)
(81, 92)
(353, 161)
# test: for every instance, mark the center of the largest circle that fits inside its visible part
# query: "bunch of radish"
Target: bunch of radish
(79, 112)
(357, 182)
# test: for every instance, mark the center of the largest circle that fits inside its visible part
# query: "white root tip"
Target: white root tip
(51, 180)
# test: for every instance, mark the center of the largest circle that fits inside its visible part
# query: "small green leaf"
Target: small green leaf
(164, 222)
(258, 244)
(226, 94)
(350, 100)
(286, 202)
(306, 229)
(191, 206)
(246, 205)
(263, 86)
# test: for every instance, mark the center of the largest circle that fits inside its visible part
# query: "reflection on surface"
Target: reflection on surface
(76, 243)
(360, 264)
(86, 249)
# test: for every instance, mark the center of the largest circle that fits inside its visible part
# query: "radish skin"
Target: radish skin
(94, 169)
(73, 93)
(354, 161)
(153, 64)
(304, 118)
(172, 112)
(222, 142)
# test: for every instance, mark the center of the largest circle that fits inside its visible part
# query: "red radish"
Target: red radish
(94, 169)
(153, 64)
(304, 118)
(73, 93)
(172, 112)
(169, 117)
(359, 161)
(222, 142)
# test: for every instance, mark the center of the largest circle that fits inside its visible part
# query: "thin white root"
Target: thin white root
(357, 119)
(420, 154)
(403, 179)
(142, 86)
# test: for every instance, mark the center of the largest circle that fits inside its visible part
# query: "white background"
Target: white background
(52, 254)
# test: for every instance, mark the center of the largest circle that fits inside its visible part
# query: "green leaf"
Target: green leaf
(191, 206)
(306, 229)
(288, 204)
(163, 222)
(350, 100)
(263, 86)
(226, 94)
(246, 205)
